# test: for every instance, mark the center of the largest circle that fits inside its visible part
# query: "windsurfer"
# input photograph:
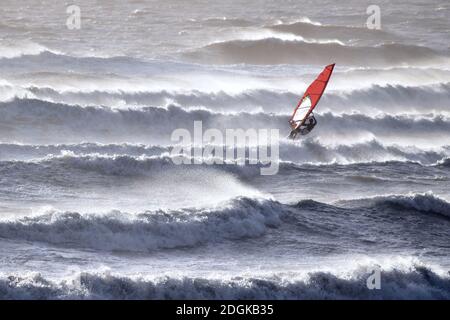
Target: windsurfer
(302, 121)
(305, 128)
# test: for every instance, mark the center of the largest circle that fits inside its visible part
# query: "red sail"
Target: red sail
(311, 97)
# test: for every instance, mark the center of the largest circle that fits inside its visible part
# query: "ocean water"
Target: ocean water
(93, 207)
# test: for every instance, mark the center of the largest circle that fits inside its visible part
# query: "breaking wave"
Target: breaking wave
(26, 48)
(420, 202)
(60, 123)
(142, 160)
(35, 121)
(20, 152)
(236, 219)
(276, 51)
(392, 99)
(312, 151)
(117, 159)
(416, 282)
(376, 98)
(443, 163)
(385, 124)
(321, 31)
(427, 202)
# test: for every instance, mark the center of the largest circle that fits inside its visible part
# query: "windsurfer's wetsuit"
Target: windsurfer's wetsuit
(305, 128)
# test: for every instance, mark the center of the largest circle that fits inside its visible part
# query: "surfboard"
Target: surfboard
(310, 98)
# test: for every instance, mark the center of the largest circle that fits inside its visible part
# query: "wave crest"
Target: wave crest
(236, 219)
(419, 282)
(426, 202)
(320, 31)
(35, 121)
(276, 51)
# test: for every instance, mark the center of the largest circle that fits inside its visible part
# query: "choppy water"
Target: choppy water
(92, 206)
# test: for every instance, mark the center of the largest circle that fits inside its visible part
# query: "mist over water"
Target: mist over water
(92, 206)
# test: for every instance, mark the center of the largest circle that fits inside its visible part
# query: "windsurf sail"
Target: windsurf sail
(311, 97)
